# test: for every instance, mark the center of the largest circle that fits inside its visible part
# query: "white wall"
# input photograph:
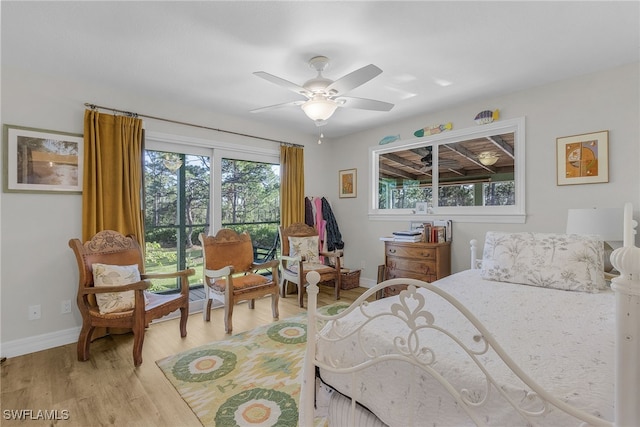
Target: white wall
(37, 267)
(606, 100)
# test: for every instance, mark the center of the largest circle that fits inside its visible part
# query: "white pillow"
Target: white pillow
(561, 261)
(305, 246)
(115, 275)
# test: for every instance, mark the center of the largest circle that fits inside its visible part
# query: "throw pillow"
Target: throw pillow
(115, 275)
(561, 261)
(305, 246)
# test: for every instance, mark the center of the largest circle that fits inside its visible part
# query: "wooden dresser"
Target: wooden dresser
(422, 261)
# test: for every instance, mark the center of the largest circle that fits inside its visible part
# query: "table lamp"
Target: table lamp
(604, 222)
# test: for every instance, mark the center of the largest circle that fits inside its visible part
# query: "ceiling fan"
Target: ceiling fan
(323, 95)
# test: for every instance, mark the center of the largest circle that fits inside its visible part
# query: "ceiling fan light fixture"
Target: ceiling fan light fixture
(488, 158)
(319, 108)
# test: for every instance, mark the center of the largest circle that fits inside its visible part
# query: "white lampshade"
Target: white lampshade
(319, 108)
(604, 222)
(608, 223)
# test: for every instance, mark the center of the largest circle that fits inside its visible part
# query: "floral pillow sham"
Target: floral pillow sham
(568, 262)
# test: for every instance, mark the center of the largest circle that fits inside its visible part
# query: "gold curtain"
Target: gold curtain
(291, 185)
(112, 185)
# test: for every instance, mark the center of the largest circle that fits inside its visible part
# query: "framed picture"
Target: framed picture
(421, 208)
(583, 159)
(42, 161)
(348, 183)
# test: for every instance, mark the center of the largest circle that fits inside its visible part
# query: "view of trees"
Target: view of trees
(251, 199)
(177, 207)
(500, 193)
(405, 195)
(166, 191)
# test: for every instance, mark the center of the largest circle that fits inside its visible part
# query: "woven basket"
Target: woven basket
(350, 279)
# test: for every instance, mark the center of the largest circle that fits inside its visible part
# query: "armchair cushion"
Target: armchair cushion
(311, 266)
(241, 283)
(306, 247)
(115, 275)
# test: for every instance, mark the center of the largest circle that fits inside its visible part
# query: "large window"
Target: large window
(194, 186)
(177, 188)
(472, 175)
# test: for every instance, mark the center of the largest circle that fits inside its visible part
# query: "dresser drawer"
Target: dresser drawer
(418, 266)
(421, 261)
(411, 252)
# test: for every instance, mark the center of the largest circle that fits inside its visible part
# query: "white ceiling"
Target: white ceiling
(203, 54)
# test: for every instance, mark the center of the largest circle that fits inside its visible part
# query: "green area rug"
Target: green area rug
(250, 379)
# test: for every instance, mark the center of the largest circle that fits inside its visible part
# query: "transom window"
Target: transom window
(469, 175)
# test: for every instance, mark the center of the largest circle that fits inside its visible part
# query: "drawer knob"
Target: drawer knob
(392, 251)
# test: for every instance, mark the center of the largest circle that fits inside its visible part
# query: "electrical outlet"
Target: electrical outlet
(65, 308)
(34, 312)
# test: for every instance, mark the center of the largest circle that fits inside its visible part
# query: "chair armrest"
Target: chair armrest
(226, 271)
(181, 273)
(141, 285)
(264, 265)
(335, 254)
(291, 258)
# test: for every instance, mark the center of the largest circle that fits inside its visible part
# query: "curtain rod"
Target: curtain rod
(131, 114)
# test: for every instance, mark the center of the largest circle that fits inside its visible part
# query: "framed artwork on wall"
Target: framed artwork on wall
(42, 161)
(583, 159)
(348, 184)
(421, 208)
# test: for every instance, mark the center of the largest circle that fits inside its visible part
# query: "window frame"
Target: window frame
(472, 214)
(216, 150)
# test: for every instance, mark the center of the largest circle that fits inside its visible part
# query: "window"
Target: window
(471, 175)
(184, 182)
(250, 201)
(177, 188)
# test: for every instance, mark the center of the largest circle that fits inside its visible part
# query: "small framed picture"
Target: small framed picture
(42, 161)
(421, 208)
(348, 183)
(583, 159)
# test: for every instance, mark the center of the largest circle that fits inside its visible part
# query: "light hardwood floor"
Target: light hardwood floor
(107, 389)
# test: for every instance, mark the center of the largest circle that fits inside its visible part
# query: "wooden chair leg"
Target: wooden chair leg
(252, 304)
(184, 316)
(138, 340)
(301, 289)
(228, 312)
(206, 313)
(274, 305)
(84, 340)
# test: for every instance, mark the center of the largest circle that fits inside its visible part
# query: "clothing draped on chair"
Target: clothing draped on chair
(318, 214)
(112, 182)
(291, 185)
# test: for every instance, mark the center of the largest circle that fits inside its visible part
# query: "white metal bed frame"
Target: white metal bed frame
(627, 364)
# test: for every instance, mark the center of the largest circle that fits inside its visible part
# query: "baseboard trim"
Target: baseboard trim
(37, 343)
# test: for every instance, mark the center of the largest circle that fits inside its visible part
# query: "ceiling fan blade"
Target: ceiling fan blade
(363, 103)
(354, 79)
(282, 82)
(275, 107)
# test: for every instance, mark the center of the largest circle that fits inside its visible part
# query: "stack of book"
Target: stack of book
(437, 231)
(407, 236)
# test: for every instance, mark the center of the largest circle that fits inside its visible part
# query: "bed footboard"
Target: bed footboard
(412, 348)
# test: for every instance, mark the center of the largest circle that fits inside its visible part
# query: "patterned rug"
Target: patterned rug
(249, 379)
